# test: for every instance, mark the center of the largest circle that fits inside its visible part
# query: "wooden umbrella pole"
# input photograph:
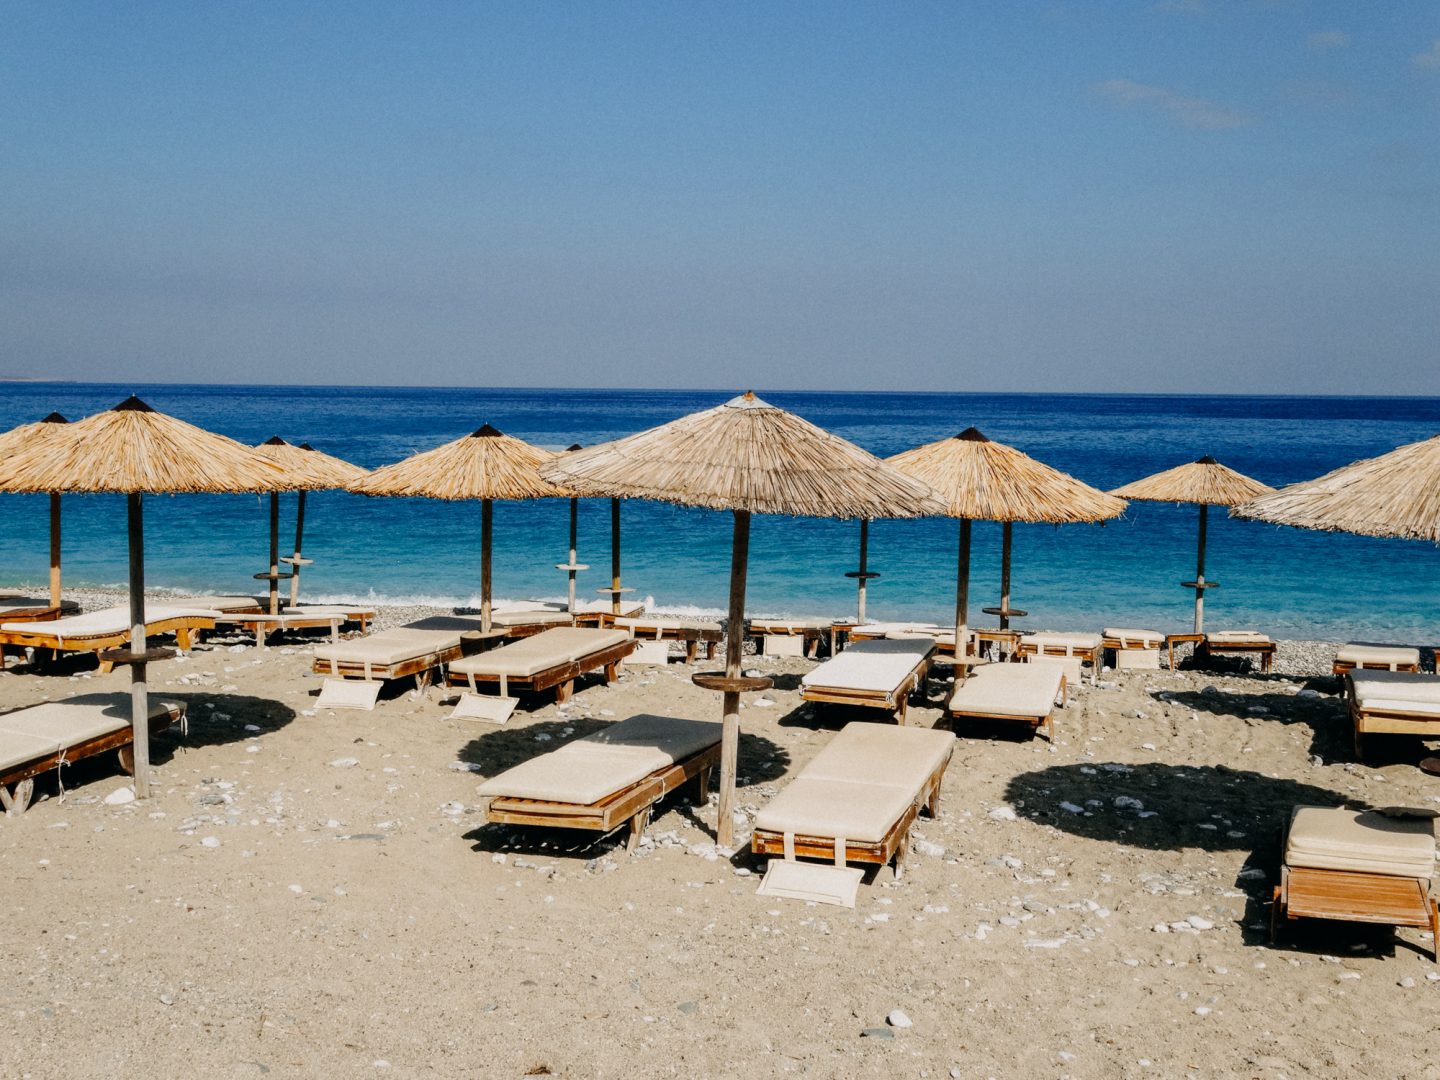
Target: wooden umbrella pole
(734, 656)
(615, 556)
(962, 594)
(486, 532)
(299, 536)
(139, 696)
(574, 533)
(1200, 571)
(1005, 536)
(274, 553)
(864, 552)
(54, 549)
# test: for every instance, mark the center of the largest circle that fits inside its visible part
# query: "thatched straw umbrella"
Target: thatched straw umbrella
(1207, 483)
(981, 480)
(132, 450)
(18, 440)
(484, 465)
(748, 457)
(309, 470)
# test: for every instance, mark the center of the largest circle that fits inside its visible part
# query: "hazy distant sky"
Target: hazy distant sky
(1187, 195)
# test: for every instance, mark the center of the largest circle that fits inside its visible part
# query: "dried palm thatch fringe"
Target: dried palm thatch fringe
(989, 481)
(1204, 481)
(26, 435)
(1394, 495)
(745, 455)
(483, 465)
(307, 467)
(132, 449)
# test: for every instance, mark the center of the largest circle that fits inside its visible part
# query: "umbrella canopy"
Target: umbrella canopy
(746, 456)
(19, 439)
(1396, 495)
(486, 465)
(1205, 482)
(132, 450)
(983, 480)
(310, 470)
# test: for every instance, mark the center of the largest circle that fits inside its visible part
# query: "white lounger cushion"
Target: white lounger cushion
(878, 753)
(1367, 842)
(530, 617)
(1020, 690)
(1238, 637)
(878, 667)
(1409, 690)
(607, 607)
(12, 604)
(845, 809)
(648, 625)
(390, 647)
(58, 725)
(1365, 652)
(1134, 639)
(528, 656)
(222, 603)
(1083, 642)
(589, 769)
(788, 626)
(106, 621)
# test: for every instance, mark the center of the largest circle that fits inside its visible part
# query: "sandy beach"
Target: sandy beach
(312, 893)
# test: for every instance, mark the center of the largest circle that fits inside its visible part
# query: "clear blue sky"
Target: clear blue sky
(1186, 195)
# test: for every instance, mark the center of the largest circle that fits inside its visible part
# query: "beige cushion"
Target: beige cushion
(1367, 842)
(1072, 642)
(1364, 652)
(846, 809)
(62, 724)
(1413, 687)
(1019, 690)
(787, 626)
(628, 608)
(11, 604)
(223, 603)
(880, 753)
(589, 769)
(528, 656)
(528, 617)
(646, 626)
(1237, 637)
(1134, 639)
(107, 621)
(878, 667)
(17, 749)
(390, 647)
(349, 611)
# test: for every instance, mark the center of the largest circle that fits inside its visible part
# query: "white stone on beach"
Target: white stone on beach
(120, 796)
(344, 762)
(1001, 813)
(897, 1019)
(210, 842)
(1071, 808)
(929, 848)
(1200, 923)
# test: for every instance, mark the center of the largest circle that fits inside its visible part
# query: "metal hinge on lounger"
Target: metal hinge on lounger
(348, 694)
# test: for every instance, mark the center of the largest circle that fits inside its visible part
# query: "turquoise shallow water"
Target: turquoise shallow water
(1290, 582)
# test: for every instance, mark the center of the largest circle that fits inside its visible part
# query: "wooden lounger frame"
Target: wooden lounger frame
(1064, 652)
(1265, 650)
(1351, 896)
(1344, 667)
(894, 845)
(184, 627)
(895, 701)
(1389, 722)
(692, 636)
(632, 804)
(811, 637)
(421, 667)
(562, 676)
(1048, 720)
(22, 777)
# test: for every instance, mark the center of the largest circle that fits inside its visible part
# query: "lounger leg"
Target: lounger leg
(15, 804)
(610, 672)
(106, 667)
(127, 759)
(900, 708)
(184, 638)
(637, 830)
(1434, 932)
(1275, 914)
(701, 795)
(900, 853)
(691, 648)
(564, 690)
(710, 650)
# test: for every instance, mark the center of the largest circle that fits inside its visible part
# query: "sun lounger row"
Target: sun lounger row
(1392, 702)
(875, 674)
(555, 658)
(108, 628)
(42, 737)
(691, 632)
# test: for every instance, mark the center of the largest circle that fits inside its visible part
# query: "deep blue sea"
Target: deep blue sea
(1290, 582)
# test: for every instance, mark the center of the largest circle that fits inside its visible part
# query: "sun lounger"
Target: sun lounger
(668, 628)
(1393, 702)
(1240, 643)
(34, 609)
(942, 636)
(108, 628)
(39, 738)
(309, 617)
(789, 637)
(1359, 867)
(229, 605)
(1131, 648)
(858, 797)
(1079, 648)
(607, 779)
(1368, 656)
(523, 622)
(1018, 692)
(417, 649)
(875, 674)
(602, 613)
(555, 658)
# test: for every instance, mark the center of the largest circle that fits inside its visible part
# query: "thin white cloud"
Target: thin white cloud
(1186, 111)
(1328, 39)
(1429, 60)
